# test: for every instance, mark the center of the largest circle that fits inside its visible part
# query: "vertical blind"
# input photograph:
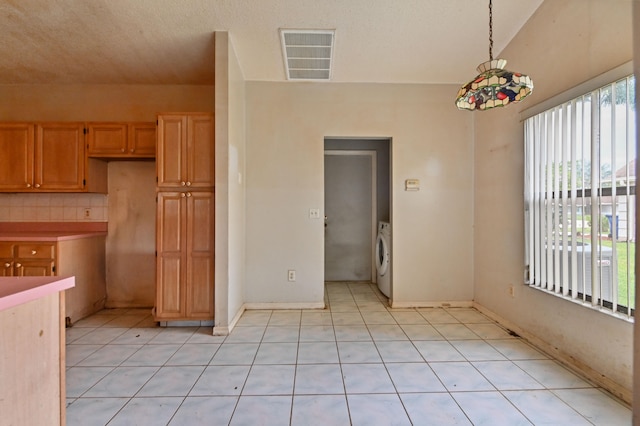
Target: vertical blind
(580, 179)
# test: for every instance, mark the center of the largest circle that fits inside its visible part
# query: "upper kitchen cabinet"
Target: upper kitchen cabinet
(17, 156)
(121, 140)
(185, 151)
(47, 157)
(59, 160)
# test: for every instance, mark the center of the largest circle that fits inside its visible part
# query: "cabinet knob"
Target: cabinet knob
(132, 150)
(188, 194)
(33, 252)
(188, 183)
(7, 265)
(183, 183)
(18, 265)
(28, 185)
(182, 195)
(121, 149)
(37, 185)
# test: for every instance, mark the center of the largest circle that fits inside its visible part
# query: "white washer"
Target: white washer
(383, 257)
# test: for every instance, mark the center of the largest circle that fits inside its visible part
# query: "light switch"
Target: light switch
(412, 185)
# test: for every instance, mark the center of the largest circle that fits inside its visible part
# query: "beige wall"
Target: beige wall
(432, 227)
(230, 185)
(237, 190)
(562, 45)
(103, 102)
(131, 245)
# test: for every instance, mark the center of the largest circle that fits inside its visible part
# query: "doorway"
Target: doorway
(349, 200)
(357, 197)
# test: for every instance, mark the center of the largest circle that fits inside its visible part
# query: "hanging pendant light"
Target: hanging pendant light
(494, 86)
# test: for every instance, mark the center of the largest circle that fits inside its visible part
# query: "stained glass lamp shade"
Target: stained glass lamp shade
(494, 86)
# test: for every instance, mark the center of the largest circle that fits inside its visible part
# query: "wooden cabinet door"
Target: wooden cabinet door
(142, 140)
(6, 259)
(171, 162)
(185, 151)
(17, 146)
(171, 245)
(185, 264)
(34, 259)
(200, 152)
(121, 140)
(6, 267)
(34, 268)
(106, 139)
(200, 255)
(59, 157)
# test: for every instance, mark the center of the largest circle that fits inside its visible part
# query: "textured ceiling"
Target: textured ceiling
(171, 41)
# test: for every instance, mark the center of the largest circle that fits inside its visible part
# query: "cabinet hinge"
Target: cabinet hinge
(53, 269)
(84, 182)
(85, 130)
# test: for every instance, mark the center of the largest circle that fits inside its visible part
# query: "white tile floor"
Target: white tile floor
(357, 362)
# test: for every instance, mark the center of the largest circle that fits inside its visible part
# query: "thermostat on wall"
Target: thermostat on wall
(412, 184)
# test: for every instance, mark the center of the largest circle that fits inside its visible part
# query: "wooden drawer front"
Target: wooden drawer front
(36, 251)
(6, 250)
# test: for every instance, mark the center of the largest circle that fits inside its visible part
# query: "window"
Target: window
(580, 188)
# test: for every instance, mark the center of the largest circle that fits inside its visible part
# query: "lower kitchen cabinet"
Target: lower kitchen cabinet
(185, 256)
(27, 259)
(83, 258)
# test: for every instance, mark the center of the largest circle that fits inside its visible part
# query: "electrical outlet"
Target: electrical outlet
(87, 213)
(291, 275)
(314, 213)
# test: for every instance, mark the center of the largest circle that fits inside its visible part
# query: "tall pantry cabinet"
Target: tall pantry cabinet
(185, 217)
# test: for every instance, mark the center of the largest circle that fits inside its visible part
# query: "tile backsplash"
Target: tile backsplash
(48, 207)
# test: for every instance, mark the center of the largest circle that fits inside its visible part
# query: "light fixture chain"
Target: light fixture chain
(490, 30)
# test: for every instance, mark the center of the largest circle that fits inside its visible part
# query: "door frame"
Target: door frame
(372, 154)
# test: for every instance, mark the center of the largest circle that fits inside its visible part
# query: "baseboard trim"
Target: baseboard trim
(224, 331)
(186, 323)
(443, 304)
(565, 359)
(220, 331)
(284, 306)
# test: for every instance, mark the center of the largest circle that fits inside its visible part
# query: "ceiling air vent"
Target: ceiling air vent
(307, 53)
